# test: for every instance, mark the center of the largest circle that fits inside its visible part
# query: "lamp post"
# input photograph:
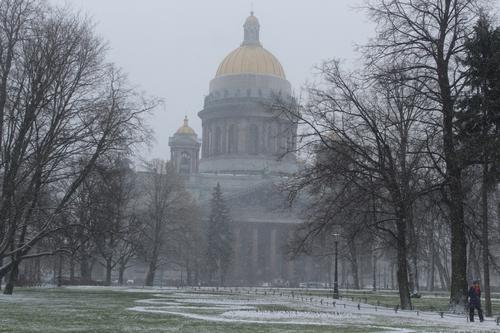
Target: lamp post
(336, 274)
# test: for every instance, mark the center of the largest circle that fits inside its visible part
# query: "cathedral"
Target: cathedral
(244, 149)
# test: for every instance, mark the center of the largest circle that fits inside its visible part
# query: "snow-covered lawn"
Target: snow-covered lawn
(94, 309)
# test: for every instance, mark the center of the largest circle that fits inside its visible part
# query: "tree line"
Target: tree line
(69, 124)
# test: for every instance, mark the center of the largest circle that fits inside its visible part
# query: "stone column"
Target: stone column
(308, 268)
(255, 246)
(291, 264)
(225, 147)
(272, 254)
(237, 253)
(204, 145)
(242, 139)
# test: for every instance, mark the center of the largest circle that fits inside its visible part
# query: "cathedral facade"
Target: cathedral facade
(244, 149)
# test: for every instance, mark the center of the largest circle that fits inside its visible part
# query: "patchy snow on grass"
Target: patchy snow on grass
(287, 315)
(244, 308)
(16, 298)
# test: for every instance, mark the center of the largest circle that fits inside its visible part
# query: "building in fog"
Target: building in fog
(243, 147)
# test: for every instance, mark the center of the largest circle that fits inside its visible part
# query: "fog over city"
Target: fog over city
(233, 166)
(172, 49)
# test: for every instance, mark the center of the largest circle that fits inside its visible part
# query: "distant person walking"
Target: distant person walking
(475, 301)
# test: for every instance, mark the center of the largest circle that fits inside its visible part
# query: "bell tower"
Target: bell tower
(184, 149)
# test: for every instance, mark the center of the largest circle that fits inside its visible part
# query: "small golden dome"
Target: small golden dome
(185, 129)
(251, 59)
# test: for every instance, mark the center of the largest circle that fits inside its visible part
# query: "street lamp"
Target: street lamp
(336, 274)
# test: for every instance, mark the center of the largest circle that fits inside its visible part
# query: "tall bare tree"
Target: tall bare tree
(114, 218)
(63, 105)
(163, 213)
(372, 130)
(429, 36)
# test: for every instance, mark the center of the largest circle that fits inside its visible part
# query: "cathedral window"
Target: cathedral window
(185, 163)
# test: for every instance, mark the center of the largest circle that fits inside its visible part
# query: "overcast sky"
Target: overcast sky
(172, 48)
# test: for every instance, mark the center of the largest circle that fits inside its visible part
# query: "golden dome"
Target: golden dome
(251, 59)
(185, 129)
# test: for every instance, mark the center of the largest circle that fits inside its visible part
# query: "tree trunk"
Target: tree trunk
(1, 276)
(60, 270)
(392, 276)
(432, 264)
(402, 273)
(413, 257)
(443, 273)
(473, 266)
(85, 271)
(374, 271)
(150, 276)
(109, 269)
(189, 275)
(329, 268)
(411, 276)
(343, 274)
(485, 241)
(458, 289)
(121, 272)
(354, 264)
(72, 269)
(470, 257)
(432, 268)
(12, 280)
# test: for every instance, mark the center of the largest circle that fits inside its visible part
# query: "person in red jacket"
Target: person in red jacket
(475, 301)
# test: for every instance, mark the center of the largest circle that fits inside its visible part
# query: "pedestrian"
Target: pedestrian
(475, 301)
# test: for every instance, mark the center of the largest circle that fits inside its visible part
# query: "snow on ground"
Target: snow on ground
(243, 307)
(16, 298)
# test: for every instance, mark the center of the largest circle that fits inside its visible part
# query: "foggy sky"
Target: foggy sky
(171, 49)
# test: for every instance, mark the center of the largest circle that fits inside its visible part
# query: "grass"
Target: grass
(55, 310)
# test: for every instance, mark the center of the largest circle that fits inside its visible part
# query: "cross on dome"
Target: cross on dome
(185, 129)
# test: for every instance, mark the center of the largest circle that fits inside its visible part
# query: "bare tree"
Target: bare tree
(185, 247)
(429, 36)
(164, 206)
(372, 130)
(114, 222)
(63, 105)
